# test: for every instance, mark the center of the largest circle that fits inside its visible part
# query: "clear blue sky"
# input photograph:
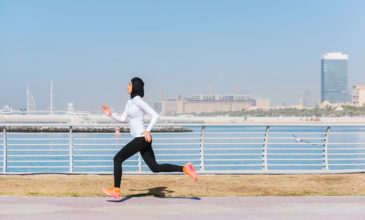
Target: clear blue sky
(91, 49)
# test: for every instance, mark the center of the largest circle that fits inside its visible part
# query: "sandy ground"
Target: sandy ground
(183, 186)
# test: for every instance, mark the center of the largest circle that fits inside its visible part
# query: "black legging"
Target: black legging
(145, 148)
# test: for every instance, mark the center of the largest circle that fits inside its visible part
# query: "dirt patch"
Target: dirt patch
(179, 185)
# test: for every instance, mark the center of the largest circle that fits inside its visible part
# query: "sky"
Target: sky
(91, 49)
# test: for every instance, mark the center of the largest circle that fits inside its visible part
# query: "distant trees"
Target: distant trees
(328, 111)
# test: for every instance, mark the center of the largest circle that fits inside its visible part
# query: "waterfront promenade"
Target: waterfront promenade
(183, 208)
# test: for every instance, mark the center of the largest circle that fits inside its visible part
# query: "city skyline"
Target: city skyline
(91, 49)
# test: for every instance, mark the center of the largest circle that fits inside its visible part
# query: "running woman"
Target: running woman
(142, 140)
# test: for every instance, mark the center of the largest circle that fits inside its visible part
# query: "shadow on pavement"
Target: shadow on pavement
(159, 192)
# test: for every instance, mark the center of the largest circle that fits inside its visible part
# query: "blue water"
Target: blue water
(225, 148)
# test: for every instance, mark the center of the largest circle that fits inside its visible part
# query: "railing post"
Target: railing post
(264, 150)
(325, 149)
(202, 149)
(5, 150)
(71, 150)
(139, 163)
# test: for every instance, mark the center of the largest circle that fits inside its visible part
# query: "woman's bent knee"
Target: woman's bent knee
(155, 169)
(117, 160)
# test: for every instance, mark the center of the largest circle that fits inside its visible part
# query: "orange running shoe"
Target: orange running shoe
(113, 192)
(190, 171)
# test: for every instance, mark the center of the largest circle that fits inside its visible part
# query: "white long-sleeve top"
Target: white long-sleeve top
(134, 111)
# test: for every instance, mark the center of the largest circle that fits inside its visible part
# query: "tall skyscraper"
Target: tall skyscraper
(334, 78)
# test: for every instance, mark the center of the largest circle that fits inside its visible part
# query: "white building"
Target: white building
(358, 95)
(209, 103)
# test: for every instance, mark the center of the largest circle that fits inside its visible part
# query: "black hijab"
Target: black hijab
(137, 87)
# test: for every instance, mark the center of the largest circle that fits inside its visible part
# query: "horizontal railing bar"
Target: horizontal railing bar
(260, 143)
(297, 159)
(163, 155)
(173, 138)
(274, 154)
(50, 144)
(155, 144)
(248, 154)
(336, 133)
(274, 143)
(76, 150)
(99, 139)
(210, 149)
(291, 138)
(353, 164)
(190, 149)
(13, 150)
(342, 148)
(234, 165)
(179, 159)
(37, 139)
(103, 166)
(113, 139)
(102, 161)
(260, 138)
(38, 155)
(278, 148)
(37, 133)
(234, 132)
(166, 144)
(295, 154)
(232, 138)
(95, 160)
(343, 159)
(340, 154)
(38, 166)
(94, 144)
(315, 133)
(28, 148)
(38, 161)
(94, 155)
(177, 133)
(233, 160)
(257, 143)
(285, 165)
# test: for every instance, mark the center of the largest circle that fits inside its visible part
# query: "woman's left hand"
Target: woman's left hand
(147, 136)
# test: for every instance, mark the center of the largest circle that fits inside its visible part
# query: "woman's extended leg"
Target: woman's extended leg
(127, 151)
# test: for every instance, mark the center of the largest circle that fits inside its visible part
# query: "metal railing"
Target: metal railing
(212, 148)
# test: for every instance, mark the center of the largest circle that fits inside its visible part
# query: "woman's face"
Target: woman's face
(129, 88)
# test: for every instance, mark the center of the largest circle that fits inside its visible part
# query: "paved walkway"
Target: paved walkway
(211, 208)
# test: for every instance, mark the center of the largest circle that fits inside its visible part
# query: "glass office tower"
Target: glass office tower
(334, 78)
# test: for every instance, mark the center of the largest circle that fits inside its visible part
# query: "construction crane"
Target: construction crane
(236, 85)
(211, 86)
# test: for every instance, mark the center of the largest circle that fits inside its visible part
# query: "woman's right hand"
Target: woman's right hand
(106, 110)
